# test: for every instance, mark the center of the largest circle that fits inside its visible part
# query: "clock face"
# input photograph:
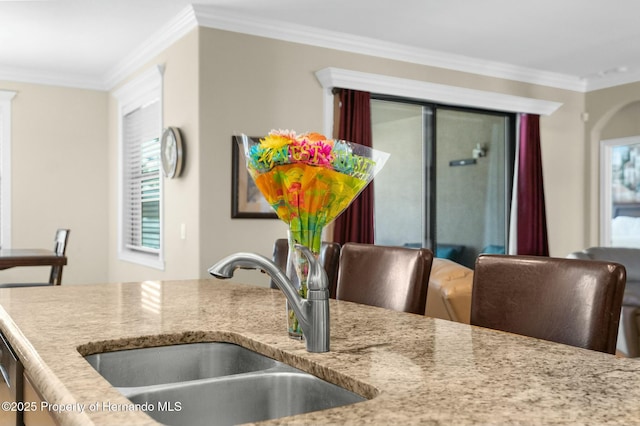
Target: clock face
(171, 152)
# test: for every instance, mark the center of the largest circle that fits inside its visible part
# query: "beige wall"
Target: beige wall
(217, 84)
(251, 85)
(181, 195)
(612, 114)
(59, 178)
(624, 123)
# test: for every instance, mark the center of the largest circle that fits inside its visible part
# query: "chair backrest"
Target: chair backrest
(627, 256)
(329, 257)
(388, 277)
(570, 301)
(60, 248)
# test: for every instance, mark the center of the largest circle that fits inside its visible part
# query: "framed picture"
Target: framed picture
(246, 199)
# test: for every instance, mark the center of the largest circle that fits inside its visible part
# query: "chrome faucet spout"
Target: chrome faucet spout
(312, 312)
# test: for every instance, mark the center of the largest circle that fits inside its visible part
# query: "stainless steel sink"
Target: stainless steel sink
(177, 363)
(242, 399)
(215, 384)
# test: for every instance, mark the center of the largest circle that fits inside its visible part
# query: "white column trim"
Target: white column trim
(6, 97)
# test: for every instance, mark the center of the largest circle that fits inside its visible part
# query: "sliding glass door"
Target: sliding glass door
(400, 188)
(447, 185)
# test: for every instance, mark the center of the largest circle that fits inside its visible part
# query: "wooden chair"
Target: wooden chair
(329, 258)
(55, 277)
(570, 301)
(388, 277)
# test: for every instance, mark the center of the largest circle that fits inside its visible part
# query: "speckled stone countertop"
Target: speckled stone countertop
(417, 370)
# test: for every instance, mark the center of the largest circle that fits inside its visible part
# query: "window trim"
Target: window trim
(5, 167)
(135, 94)
(330, 78)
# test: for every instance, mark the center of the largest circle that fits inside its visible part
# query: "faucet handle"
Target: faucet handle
(317, 279)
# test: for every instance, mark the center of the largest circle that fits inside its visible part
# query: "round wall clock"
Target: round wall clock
(171, 152)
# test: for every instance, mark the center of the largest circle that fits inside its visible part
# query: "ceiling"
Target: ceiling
(574, 44)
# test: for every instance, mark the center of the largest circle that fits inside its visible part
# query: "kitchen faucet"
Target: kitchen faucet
(312, 312)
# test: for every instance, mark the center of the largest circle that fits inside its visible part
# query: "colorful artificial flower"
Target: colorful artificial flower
(309, 180)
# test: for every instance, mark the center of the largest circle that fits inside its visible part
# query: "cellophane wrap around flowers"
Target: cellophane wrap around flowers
(309, 179)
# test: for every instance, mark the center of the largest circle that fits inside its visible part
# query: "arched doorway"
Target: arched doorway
(613, 201)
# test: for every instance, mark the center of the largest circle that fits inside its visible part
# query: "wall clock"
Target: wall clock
(171, 152)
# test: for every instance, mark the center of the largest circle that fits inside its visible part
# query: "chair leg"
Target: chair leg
(55, 278)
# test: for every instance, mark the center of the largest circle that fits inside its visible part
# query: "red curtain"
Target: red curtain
(356, 224)
(531, 216)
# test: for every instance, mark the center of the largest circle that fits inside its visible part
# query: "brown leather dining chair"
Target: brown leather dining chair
(570, 301)
(55, 276)
(329, 257)
(388, 277)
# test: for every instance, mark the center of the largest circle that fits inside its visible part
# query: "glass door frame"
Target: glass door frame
(429, 155)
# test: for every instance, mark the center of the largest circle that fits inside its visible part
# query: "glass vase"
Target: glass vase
(297, 272)
(308, 180)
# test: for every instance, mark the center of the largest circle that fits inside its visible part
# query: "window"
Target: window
(5, 167)
(620, 192)
(140, 207)
(141, 147)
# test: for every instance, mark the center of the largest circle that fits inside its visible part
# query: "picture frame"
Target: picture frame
(247, 202)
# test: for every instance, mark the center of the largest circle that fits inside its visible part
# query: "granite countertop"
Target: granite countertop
(416, 369)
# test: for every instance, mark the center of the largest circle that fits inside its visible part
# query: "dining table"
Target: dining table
(10, 258)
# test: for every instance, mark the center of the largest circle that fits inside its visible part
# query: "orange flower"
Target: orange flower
(314, 137)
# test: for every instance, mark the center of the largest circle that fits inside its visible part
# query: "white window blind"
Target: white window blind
(141, 135)
(140, 181)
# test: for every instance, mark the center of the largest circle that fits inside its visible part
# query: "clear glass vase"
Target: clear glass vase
(308, 180)
(297, 272)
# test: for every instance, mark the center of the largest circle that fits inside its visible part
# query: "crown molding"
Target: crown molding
(596, 83)
(211, 18)
(24, 75)
(175, 29)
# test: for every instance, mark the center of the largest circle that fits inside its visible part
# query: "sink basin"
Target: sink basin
(215, 384)
(178, 363)
(242, 399)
